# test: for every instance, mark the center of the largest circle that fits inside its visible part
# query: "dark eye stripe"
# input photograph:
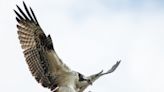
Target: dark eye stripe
(81, 77)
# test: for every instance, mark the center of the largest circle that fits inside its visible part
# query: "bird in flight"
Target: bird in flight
(43, 61)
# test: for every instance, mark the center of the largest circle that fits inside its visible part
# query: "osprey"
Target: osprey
(43, 62)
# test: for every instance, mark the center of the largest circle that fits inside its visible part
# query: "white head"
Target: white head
(82, 80)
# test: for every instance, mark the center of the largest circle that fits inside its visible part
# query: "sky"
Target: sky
(91, 35)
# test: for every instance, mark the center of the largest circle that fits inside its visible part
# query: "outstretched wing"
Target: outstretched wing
(41, 58)
(96, 76)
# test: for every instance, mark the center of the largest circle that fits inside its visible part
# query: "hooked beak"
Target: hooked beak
(89, 81)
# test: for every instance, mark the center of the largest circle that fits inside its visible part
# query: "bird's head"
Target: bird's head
(83, 80)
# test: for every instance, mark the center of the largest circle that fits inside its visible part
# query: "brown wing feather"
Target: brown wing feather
(35, 43)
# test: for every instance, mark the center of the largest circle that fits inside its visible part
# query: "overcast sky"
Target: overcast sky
(91, 35)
